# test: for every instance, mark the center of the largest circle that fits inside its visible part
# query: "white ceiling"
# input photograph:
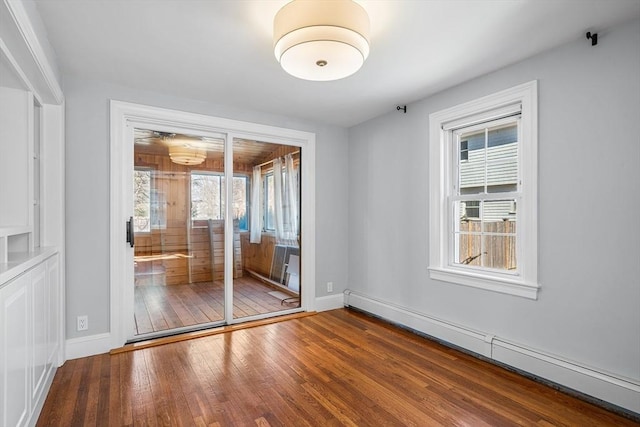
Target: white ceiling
(220, 51)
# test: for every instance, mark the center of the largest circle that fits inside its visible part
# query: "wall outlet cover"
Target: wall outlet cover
(82, 323)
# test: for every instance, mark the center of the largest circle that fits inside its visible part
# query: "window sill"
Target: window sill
(495, 284)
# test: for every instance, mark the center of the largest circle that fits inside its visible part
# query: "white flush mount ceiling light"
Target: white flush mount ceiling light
(321, 39)
(185, 150)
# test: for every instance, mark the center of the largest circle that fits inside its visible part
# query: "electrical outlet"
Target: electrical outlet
(329, 286)
(82, 323)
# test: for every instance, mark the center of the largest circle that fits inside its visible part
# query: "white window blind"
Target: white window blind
(482, 117)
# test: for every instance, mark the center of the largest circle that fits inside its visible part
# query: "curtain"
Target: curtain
(277, 200)
(256, 186)
(290, 217)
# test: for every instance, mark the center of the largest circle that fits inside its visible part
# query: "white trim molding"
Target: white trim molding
(522, 282)
(21, 39)
(476, 280)
(619, 391)
(124, 117)
(90, 345)
(329, 302)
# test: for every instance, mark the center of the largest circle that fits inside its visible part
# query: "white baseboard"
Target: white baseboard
(329, 302)
(101, 343)
(76, 348)
(622, 392)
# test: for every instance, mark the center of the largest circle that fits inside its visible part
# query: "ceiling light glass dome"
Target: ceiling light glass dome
(321, 39)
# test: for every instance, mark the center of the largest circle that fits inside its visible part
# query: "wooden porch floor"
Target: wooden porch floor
(160, 307)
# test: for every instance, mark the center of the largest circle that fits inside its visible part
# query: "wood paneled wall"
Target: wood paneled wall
(162, 256)
(216, 233)
(176, 253)
(258, 256)
(163, 163)
(166, 256)
(280, 151)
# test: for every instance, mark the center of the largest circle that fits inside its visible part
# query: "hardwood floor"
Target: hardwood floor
(336, 368)
(163, 307)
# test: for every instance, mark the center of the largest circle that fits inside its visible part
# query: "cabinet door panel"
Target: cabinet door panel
(14, 310)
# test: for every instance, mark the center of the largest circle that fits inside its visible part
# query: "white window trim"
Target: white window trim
(525, 284)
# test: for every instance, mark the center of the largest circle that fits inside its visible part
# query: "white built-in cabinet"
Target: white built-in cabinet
(31, 218)
(30, 284)
(29, 315)
(16, 172)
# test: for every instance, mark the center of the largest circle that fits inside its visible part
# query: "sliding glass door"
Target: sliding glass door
(178, 225)
(183, 208)
(266, 276)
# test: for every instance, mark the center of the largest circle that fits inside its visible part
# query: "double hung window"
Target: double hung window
(483, 172)
(485, 186)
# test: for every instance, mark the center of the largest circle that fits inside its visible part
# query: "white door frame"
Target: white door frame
(124, 117)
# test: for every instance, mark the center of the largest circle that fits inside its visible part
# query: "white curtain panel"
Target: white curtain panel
(277, 201)
(256, 186)
(290, 203)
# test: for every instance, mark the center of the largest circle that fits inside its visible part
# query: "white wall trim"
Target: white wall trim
(329, 302)
(76, 348)
(617, 390)
(52, 199)
(502, 285)
(49, 91)
(4, 50)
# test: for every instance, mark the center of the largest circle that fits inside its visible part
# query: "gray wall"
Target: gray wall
(589, 198)
(87, 188)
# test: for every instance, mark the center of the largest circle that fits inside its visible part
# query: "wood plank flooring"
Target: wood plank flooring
(160, 307)
(338, 368)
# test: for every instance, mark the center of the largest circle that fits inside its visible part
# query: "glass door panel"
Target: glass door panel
(179, 232)
(266, 226)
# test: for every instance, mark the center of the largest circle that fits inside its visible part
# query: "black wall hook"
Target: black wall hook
(404, 108)
(593, 37)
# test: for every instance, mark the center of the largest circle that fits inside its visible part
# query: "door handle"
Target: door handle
(130, 235)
